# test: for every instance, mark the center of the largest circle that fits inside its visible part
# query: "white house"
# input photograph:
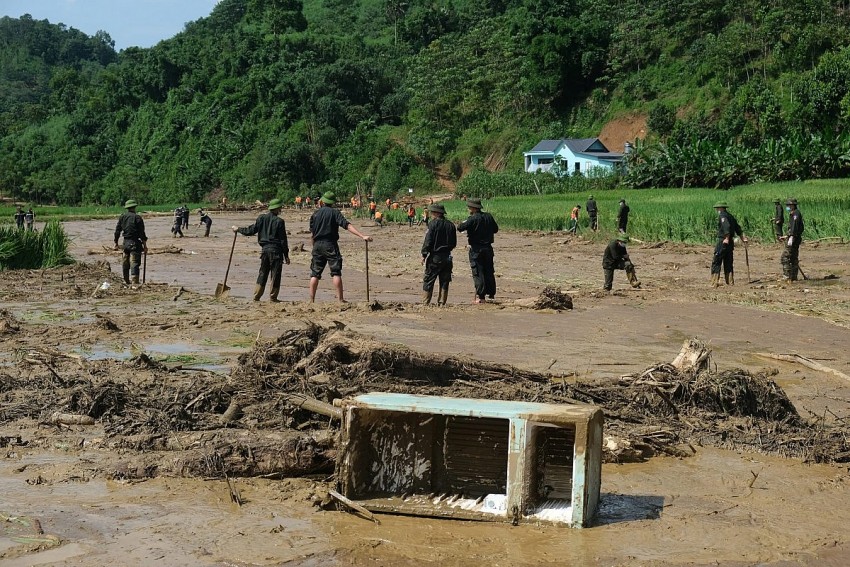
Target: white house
(578, 155)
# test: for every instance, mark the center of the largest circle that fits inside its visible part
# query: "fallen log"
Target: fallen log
(807, 362)
(58, 418)
(237, 453)
(313, 405)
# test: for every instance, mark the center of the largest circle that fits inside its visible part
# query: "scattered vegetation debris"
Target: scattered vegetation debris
(552, 298)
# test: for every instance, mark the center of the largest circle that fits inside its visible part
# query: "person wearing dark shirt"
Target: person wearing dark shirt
(778, 219)
(271, 235)
(205, 220)
(616, 257)
(324, 226)
(19, 217)
(480, 229)
(177, 227)
(132, 227)
(186, 212)
(437, 247)
(592, 211)
(791, 254)
(727, 229)
(623, 216)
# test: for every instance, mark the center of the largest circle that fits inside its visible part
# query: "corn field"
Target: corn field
(33, 249)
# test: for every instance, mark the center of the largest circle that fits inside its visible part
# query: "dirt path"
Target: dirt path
(698, 511)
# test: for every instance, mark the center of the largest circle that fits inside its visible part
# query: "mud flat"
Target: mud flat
(191, 399)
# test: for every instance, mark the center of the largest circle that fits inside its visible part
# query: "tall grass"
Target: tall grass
(679, 215)
(32, 249)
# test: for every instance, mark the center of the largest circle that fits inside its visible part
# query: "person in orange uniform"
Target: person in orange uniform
(574, 219)
(411, 215)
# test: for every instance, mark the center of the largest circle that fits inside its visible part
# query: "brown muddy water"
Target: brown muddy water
(715, 508)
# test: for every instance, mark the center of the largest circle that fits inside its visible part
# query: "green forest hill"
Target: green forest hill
(278, 97)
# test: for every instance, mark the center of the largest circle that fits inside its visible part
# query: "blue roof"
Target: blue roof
(546, 146)
(590, 146)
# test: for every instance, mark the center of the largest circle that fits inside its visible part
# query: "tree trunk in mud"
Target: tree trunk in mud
(224, 451)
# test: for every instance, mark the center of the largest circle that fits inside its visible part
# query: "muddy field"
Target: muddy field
(183, 389)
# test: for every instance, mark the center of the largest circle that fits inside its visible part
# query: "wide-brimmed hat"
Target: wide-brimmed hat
(623, 237)
(721, 205)
(329, 198)
(776, 201)
(275, 204)
(591, 197)
(437, 208)
(475, 203)
(791, 202)
(130, 204)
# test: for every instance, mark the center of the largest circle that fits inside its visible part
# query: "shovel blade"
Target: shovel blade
(221, 290)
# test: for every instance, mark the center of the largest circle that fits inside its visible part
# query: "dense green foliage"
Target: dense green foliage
(277, 97)
(32, 249)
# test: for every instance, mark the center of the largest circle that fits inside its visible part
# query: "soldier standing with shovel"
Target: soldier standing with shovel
(271, 235)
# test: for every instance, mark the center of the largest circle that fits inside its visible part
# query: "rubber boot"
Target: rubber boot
(426, 296)
(273, 295)
(443, 296)
(125, 270)
(715, 280)
(730, 278)
(633, 279)
(258, 291)
(136, 280)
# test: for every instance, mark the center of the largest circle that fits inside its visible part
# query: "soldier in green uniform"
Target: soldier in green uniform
(616, 257)
(132, 226)
(791, 255)
(271, 235)
(727, 229)
(324, 226)
(480, 229)
(437, 247)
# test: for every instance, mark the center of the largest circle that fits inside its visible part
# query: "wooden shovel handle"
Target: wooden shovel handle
(235, 234)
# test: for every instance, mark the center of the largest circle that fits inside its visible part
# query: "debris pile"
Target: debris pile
(274, 415)
(552, 298)
(8, 323)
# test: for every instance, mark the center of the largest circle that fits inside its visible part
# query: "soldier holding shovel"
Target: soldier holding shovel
(271, 235)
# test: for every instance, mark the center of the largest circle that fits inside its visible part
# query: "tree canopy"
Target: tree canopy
(270, 98)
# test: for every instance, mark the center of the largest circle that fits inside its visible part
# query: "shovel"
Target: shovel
(144, 265)
(747, 260)
(222, 289)
(367, 270)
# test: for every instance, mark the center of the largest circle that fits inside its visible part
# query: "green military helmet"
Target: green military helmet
(791, 202)
(623, 237)
(275, 204)
(591, 197)
(329, 198)
(721, 205)
(776, 201)
(130, 204)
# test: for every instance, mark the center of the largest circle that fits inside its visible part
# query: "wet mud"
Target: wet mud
(184, 389)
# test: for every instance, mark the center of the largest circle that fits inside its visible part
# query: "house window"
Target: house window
(545, 161)
(578, 167)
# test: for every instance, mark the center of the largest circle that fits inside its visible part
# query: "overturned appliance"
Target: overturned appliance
(471, 459)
